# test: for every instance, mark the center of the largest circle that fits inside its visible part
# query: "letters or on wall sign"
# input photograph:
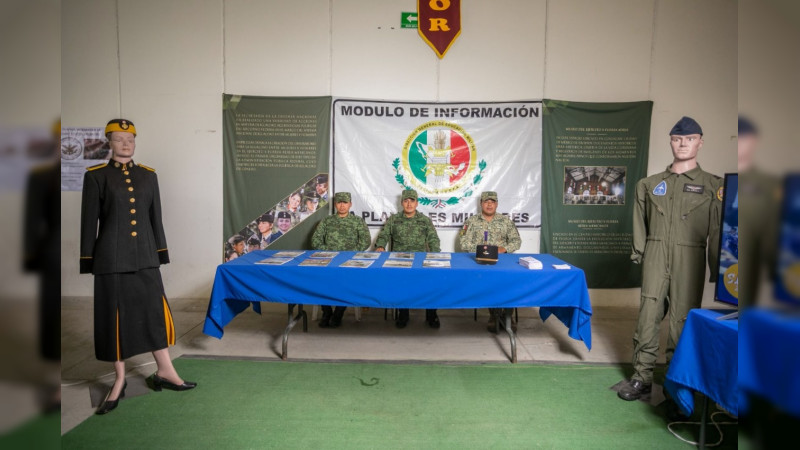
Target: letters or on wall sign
(439, 23)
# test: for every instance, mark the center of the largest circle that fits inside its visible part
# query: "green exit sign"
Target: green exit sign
(408, 20)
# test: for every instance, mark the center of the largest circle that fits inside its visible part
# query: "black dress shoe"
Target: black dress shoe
(325, 322)
(159, 383)
(634, 390)
(336, 322)
(433, 321)
(108, 405)
(401, 323)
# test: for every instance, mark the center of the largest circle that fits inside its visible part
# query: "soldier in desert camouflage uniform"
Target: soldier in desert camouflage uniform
(340, 232)
(410, 231)
(501, 232)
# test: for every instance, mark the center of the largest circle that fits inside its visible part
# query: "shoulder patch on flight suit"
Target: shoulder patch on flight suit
(720, 191)
(660, 189)
(148, 168)
(693, 188)
(97, 166)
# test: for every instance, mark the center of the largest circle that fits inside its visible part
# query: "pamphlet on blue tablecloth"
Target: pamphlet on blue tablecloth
(435, 263)
(367, 255)
(288, 254)
(327, 255)
(317, 262)
(561, 266)
(398, 263)
(362, 263)
(530, 262)
(274, 261)
(401, 255)
(438, 255)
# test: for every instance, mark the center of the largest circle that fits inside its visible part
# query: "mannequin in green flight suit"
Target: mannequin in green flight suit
(676, 222)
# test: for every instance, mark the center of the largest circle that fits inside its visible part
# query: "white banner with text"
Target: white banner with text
(448, 152)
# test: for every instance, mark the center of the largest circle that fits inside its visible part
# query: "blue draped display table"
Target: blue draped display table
(466, 284)
(706, 361)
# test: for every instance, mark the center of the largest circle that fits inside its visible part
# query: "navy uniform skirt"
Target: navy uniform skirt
(131, 315)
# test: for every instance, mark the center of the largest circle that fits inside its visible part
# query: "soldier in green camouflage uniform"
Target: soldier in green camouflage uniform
(340, 232)
(501, 232)
(676, 218)
(410, 231)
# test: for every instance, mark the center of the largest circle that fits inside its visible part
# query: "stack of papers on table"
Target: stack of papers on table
(401, 255)
(316, 262)
(561, 266)
(435, 263)
(398, 263)
(530, 262)
(362, 263)
(438, 256)
(366, 255)
(326, 255)
(288, 254)
(274, 261)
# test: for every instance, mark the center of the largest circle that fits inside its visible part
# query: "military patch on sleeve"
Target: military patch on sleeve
(148, 168)
(97, 166)
(720, 191)
(693, 188)
(661, 189)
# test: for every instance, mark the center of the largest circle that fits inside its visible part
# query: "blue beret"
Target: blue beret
(686, 126)
(746, 127)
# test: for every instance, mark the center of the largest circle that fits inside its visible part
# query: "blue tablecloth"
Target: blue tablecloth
(465, 284)
(705, 361)
(769, 357)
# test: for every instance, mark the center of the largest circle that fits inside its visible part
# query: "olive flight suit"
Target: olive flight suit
(676, 221)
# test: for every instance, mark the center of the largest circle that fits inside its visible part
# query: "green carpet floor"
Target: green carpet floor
(256, 405)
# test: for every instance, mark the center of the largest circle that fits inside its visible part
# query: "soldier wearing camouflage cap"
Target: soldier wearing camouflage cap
(498, 230)
(410, 231)
(341, 231)
(676, 219)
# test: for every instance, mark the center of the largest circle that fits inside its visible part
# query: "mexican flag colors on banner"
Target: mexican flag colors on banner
(448, 152)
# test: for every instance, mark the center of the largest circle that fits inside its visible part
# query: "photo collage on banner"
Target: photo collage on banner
(278, 220)
(275, 171)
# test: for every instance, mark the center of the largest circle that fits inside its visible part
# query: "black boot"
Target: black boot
(327, 313)
(338, 313)
(633, 390)
(402, 318)
(432, 318)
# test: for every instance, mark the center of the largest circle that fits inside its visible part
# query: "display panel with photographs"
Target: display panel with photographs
(594, 185)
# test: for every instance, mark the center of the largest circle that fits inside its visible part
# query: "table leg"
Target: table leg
(703, 421)
(507, 325)
(292, 322)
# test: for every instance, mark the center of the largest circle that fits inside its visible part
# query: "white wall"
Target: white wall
(165, 66)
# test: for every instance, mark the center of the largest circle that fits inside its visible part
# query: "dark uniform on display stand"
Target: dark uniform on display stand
(676, 222)
(123, 244)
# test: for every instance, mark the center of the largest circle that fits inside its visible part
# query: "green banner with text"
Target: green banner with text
(275, 171)
(592, 156)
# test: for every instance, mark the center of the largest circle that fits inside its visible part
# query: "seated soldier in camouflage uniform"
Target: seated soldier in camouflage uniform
(340, 232)
(410, 231)
(501, 232)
